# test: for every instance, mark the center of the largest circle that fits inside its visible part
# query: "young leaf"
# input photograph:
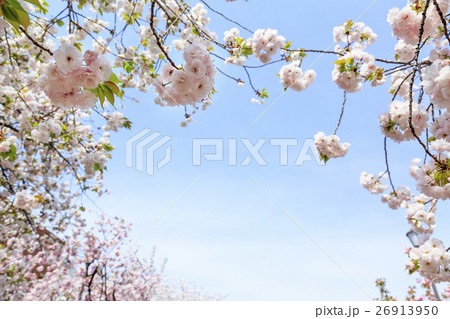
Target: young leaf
(78, 46)
(81, 3)
(114, 88)
(108, 93)
(11, 16)
(101, 96)
(13, 7)
(38, 4)
(108, 148)
(324, 158)
(113, 78)
(128, 66)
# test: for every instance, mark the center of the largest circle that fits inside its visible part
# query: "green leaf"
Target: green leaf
(128, 66)
(11, 16)
(78, 46)
(324, 158)
(24, 19)
(127, 123)
(11, 154)
(264, 94)
(82, 209)
(108, 93)
(101, 96)
(416, 266)
(431, 139)
(195, 31)
(391, 125)
(97, 167)
(339, 62)
(14, 4)
(81, 3)
(113, 78)
(39, 5)
(114, 88)
(60, 23)
(19, 14)
(108, 148)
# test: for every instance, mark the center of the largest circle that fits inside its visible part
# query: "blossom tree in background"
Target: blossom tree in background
(58, 92)
(412, 294)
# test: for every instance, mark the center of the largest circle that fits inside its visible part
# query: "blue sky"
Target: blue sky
(226, 234)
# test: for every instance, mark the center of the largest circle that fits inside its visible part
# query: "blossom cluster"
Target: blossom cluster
(400, 84)
(355, 34)
(406, 22)
(353, 68)
(195, 27)
(7, 144)
(433, 178)
(395, 123)
(330, 146)
(441, 134)
(355, 65)
(397, 198)
(68, 83)
(436, 79)
(292, 77)
(24, 200)
(372, 183)
(431, 260)
(239, 48)
(41, 266)
(421, 218)
(190, 85)
(404, 52)
(264, 44)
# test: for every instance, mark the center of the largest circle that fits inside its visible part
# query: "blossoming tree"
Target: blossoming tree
(57, 83)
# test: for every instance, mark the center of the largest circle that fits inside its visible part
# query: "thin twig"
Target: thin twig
(411, 85)
(342, 113)
(225, 17)
(35, 42)
(443, 20)
(387, 165)
(158, 42)
(250, 80)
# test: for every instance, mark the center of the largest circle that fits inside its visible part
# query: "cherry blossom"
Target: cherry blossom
(60, 100)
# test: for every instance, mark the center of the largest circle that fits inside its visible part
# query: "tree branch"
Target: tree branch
(411, 85)
(35, 42)
(443, 20)
(158, 42)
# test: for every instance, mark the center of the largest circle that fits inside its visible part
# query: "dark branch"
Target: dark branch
(342, 113)
(443, 20)
(226, 18)
(387, 165)
(411, 85)
(35, 42)
(158, 42)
